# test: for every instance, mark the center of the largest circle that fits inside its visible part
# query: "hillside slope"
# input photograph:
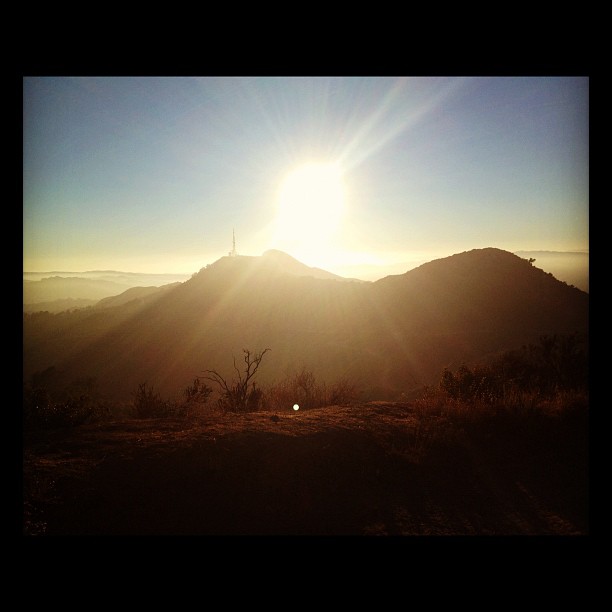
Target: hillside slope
(389, 336)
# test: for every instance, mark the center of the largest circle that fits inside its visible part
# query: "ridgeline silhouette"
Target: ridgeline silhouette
(391, 336)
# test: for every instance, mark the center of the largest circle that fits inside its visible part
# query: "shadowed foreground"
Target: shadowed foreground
(373, 469)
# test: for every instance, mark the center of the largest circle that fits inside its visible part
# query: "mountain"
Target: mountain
(274, 262)
(59, 287)
(141, 295)
(42, 287)
(390, 336)
(569, 266)
(59, 305)
(286, 264)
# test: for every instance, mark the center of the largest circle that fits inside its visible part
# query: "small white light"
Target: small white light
(296, 407)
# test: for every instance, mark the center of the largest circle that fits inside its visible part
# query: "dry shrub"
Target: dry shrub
(41, 410)
(303, 389)
(513, 404)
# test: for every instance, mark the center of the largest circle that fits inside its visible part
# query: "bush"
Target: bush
(149, 405)
(303, 389)
(42, 411)
(341, 392)
(480, 383)
(241, 394)
(197, 393)
(558, 363)
(550, 378)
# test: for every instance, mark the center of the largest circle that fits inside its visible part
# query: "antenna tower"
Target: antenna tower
(233, 253)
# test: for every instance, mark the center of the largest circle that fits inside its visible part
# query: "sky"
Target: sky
(361, 176)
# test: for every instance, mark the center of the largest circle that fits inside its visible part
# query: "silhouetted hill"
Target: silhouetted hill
(142, 294)
(41, 287)
(59, 305)
(483, 289)
(289, 265)
(571, 267)
(391, 336)
(272, 262)
(467, 306)
(58, 287)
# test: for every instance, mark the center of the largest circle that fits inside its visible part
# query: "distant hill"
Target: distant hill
(59, 305)
(42, 287)
(391, 336)
(60, 288)
(141, 295)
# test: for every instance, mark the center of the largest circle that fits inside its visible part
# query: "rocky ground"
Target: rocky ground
(373, 469)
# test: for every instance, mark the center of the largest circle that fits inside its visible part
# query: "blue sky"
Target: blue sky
(152, 174)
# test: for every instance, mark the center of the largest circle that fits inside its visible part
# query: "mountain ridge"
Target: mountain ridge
(44, 290)
(390, 336)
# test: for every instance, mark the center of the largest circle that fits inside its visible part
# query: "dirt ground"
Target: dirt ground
(373, 469)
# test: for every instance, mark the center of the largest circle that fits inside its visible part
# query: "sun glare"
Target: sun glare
(311, 203)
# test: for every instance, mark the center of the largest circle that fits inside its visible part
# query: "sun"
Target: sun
(311, 204)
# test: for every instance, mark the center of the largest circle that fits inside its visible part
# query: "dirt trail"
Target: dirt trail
(373, 469)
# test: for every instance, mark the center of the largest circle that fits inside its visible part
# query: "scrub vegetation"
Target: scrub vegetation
(497, 449)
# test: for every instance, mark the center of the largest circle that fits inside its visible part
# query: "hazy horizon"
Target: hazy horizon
(571, 267)
(358, 173)
(388, 266)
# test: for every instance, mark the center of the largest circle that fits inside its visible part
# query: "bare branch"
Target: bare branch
(254, 363)
(217, 378)
(237, 394)
(237, 370)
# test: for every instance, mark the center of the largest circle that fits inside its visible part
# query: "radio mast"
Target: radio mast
(233, 252)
